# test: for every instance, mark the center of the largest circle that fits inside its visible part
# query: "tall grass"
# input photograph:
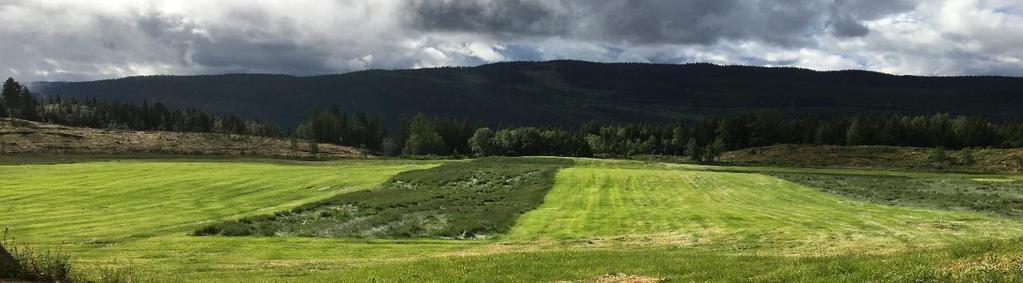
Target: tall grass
(471, 199)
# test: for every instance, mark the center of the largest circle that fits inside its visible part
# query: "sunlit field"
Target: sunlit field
(600, 217)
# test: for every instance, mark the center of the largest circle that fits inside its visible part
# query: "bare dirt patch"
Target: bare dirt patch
(32, 137)
(620, 278)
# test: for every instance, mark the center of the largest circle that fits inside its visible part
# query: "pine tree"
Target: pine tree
(694, 151)
(855, 134)
(11, 94)
(3, 108)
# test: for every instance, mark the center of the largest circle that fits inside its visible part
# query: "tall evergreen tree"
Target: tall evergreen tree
(11, 94)
(856, 134)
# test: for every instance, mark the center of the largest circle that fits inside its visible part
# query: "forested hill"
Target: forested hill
(565, 92)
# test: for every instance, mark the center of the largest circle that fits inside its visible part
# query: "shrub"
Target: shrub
(207, 231)
(24, 263)
(966, 156)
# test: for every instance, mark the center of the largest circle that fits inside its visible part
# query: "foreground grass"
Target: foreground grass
(665, 221)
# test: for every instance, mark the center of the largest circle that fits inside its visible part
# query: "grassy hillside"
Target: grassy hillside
(876, 157)
(40, 138)
(565, 92)
(601, 219)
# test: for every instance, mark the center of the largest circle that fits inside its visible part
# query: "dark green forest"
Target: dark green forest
(565, 93)
(19, 102)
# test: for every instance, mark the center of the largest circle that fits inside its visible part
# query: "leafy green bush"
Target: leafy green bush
(24, 263)
(458, 200)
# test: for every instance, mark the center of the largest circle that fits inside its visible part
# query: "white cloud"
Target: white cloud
(79, 40)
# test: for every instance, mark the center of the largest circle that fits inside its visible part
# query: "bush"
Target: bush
(966, 156)
(24, 263)
(207, 231)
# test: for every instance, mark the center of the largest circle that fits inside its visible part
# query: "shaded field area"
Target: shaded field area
(1003, 196)
(597, 219)
(455, 200)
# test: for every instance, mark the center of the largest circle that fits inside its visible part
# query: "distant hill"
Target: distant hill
(565, 92)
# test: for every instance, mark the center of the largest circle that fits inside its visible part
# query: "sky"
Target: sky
(74, 40)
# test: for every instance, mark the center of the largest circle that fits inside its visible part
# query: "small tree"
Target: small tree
(855, 134)
(937, 155)
(292, 143)
(11, 94)
(482, 142)
(314, 148)
(714, 150)
(390, 147)
(694, 151)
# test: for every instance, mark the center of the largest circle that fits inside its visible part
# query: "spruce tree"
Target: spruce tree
(855, 134)
(694, 151)
(11, 94)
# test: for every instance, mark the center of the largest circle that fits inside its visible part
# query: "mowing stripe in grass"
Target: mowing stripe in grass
(112, 200)
(739, 210)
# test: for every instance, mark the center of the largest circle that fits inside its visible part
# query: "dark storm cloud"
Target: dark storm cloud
(787, 22)
(523, 17)
(75, 40)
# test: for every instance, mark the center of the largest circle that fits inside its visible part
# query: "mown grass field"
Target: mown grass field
(680, 223)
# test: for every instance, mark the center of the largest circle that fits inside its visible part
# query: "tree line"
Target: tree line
(701, 140)
(17, 101)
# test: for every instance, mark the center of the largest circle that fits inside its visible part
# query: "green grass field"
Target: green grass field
(681, 223)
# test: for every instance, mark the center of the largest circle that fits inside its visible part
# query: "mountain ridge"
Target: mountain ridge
(566, 92)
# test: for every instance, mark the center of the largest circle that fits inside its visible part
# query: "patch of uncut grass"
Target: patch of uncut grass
(1003, 196)
(597, 203)
(117, 200)
(471, 199)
